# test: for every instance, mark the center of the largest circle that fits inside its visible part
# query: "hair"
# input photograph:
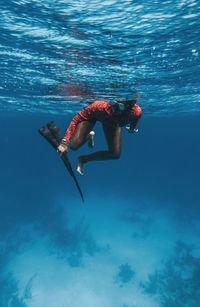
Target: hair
(127, 101)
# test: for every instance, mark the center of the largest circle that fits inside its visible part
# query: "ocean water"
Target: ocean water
(134, 242)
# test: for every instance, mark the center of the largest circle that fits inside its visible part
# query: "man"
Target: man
(112, 117)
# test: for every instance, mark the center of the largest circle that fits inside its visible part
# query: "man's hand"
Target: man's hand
(131, 130)
(62, 148)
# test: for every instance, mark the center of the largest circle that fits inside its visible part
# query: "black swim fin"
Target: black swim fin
(55, 131)
(47, 135)
(53, 137)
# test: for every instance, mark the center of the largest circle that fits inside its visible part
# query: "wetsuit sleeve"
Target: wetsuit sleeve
(72, 127)
(136, 115)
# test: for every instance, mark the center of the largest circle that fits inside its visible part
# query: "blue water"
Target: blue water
(135, 240)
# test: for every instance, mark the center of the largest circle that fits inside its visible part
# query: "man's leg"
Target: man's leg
(113, 138)
(81, 134)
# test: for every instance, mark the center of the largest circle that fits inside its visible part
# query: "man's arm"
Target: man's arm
(132, 127)
(84, 114)
(136, 114)
(63, 146)
(72, 127)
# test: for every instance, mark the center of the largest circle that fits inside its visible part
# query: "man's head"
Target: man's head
(124, 104)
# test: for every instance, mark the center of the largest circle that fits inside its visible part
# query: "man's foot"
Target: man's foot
(80, 165)
(91, 139)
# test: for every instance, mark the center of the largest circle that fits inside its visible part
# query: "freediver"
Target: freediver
(112, 116)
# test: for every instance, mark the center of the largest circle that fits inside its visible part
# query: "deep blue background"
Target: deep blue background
(147, 203)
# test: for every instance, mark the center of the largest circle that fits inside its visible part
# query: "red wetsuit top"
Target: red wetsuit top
(103, 111)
